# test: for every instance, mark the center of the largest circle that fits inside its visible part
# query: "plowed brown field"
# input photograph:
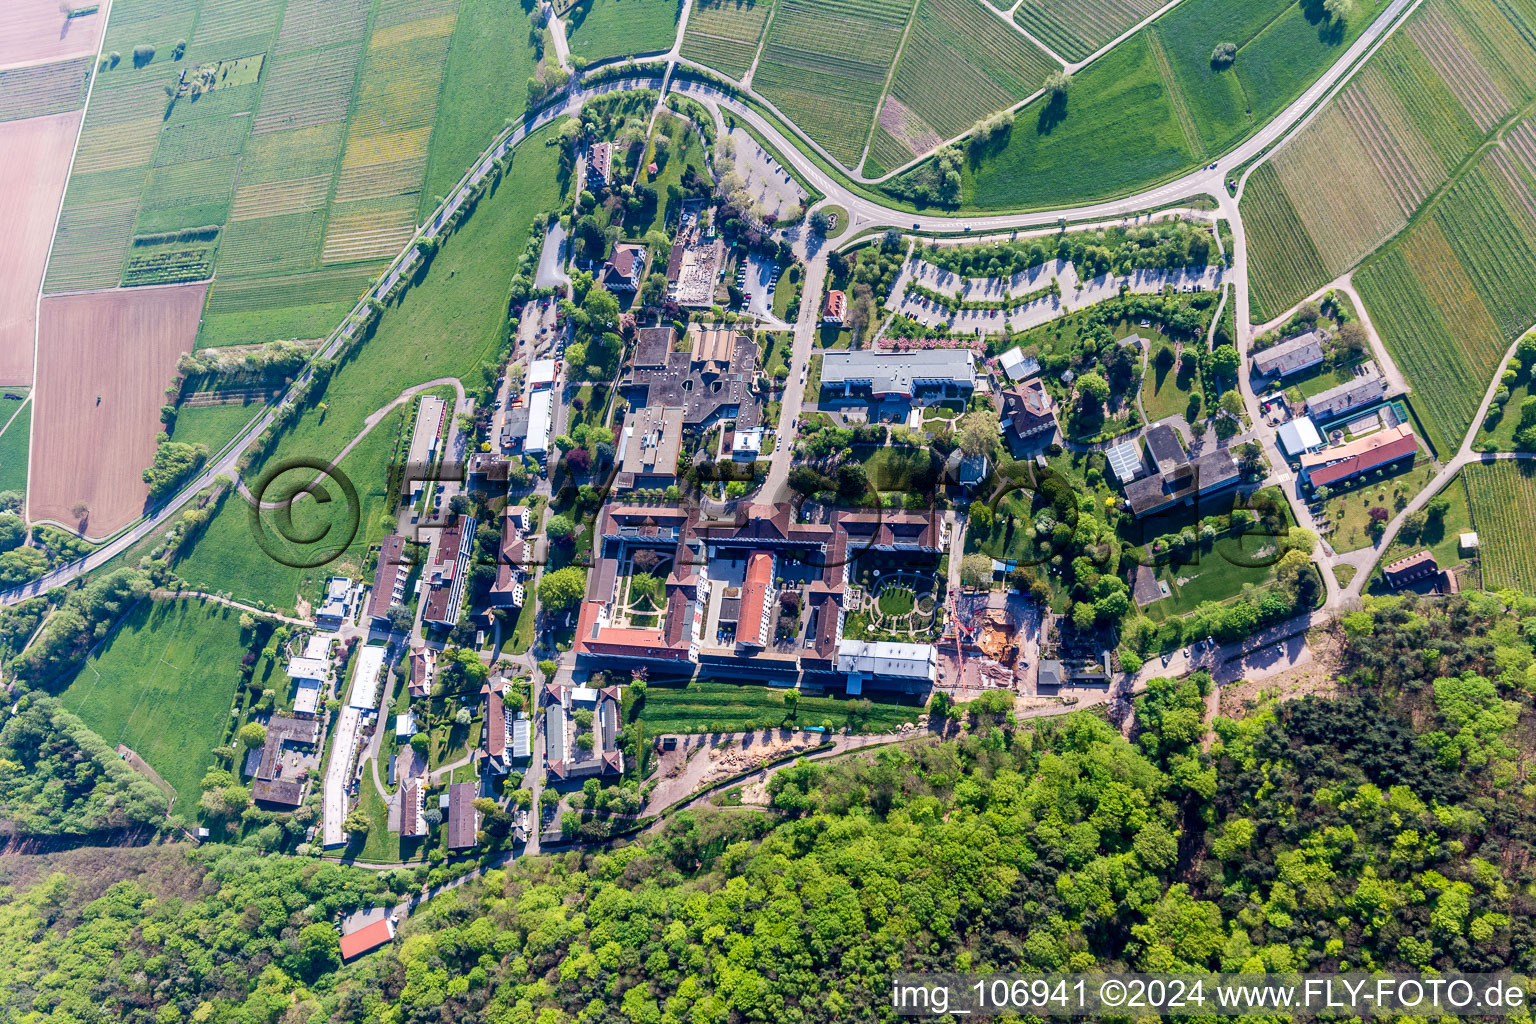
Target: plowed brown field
(103, 362)
(34, 165)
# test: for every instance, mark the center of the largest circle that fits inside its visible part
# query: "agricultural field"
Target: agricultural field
(162, 683)
(15, 437)
(825, 64)
(1502, 495)
(1119, 97)
(1452, 293)
(598, 30)
(958, 67)
(104, 361)
(707, 706)
(34, 164)
(43, 89)
(303, 306)
(1074, 29)
(725, 34)
(1357, 174)
(1156, 101)
(39, 30)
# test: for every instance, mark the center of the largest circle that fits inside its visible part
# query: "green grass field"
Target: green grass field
(1166, 391)
(15, 443)
(1157, 104)
(212, 425)
(600, 29)
(1218, 574)
(485, 84)
(1348, 508)
(1503, 494)
(162, 683)
(1441, 538)
(703, 706)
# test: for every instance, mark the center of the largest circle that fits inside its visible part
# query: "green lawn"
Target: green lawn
(15, 443)
(1350, 511)
(1220, 572)
(1441, 537)
(485, 85)
(706, 706)
(787, 290)
(682, 151)
(1166, 392)
(599, 29)
(163, 683)
(213, 425)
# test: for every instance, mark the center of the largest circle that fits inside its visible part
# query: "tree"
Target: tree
(1092, 387)
(1338, 9)
(978, 433)
(1232, 404)
(1057, 86)
(421, 743)
(462, 716)
(562, 588)
(252, 735)
(1223, 56)
(1437, 507)
(1224, 362)
(399, 618)
(560, 529)
(820, 223)
(319, 951)
(976, 570)
(601, 310)
(356, 824)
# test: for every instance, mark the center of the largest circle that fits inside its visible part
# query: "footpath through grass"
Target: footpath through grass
(163, 684)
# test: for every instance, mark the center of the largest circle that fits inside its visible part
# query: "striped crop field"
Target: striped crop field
(1076, 28)
(297, 153)
(960, 65)
(201, 189)
(1359, 172)
(306, 305)
(277, 198)
(272, 245)
(242, 23)
(1290, 262)
(825, 63)
(397, 96)
(90, 244)
(1452, 294)
(724, 34)
(43, 88)
(308, 89)
(1503, 494)
(312, 24)
(372, 229)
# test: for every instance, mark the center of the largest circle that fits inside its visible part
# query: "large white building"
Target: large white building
(863, 660)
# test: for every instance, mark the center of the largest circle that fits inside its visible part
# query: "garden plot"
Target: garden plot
(724, 34)
(310, 24)
(312, 89)
(1076, 28)
(43, 89)
(824, 65)
(959, 66)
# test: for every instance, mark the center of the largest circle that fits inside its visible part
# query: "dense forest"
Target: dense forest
(1386, 827)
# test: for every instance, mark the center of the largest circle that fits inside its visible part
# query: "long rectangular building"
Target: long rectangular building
(1290, 356)
(1366, 389)
(925, 373)
(1341, 462)
(446, 571)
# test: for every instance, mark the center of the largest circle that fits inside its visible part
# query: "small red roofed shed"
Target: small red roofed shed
(367, 938)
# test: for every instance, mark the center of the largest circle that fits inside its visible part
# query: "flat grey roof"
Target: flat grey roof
(898, 372)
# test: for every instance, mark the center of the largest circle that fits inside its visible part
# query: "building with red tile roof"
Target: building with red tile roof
(367, 938)
(1341, 462)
